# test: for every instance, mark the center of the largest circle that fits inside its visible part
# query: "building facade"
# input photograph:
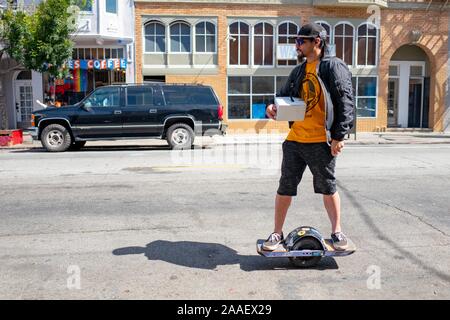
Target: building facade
(397, 52)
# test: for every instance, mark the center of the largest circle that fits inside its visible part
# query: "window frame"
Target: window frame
(194, 49)
(278, 43)
(345, 36)
(155, 35)
(116, 6)
(366, 97)
(169, 49)
(249, 53)
(253, 64)
(366, 39)
(250, 95)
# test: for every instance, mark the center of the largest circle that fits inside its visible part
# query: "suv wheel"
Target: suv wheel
(56, 138)
(180, 136)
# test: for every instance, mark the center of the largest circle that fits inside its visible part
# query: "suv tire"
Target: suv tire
(56, 138)
(180, 136)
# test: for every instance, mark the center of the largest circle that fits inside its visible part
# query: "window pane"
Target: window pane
(200, 28)
(268, 29)
(185, 44)
(185, 29)
(175, 44)
(362, 30)
(283, 28)
(210, 43)
(263, 85)
(371, 51)
(200, 43)
(234, 28)
(160, 29)
(111, 6)
(238, 107)
(371, 30)
(175, 29)
(268, 51)
(258, 51)
(293, 29)
(281, 81)
(150, 29)
(348, 30)
(282, 40)
(362, 51)
(339, 30)
(105, 97)
(259, 28)
(367, 86)
(175, 95)
(210, 29)
(139, 96)
(244, 28)
(239, 85)
(201, 96)
(348, 53)
(244, 50)
(234, 47)
(259, 105)
(366, 107)
(149, 44)
(160, 44)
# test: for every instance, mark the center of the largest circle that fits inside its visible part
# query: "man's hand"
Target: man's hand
(336, 147)
(271, 111)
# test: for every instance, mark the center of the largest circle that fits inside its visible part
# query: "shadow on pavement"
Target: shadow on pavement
(209, 256)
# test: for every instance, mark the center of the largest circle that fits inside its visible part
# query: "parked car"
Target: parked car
(175, 112)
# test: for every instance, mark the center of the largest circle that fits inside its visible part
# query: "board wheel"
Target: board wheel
(306, 243)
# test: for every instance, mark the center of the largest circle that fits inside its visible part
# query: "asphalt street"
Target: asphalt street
(150, 223)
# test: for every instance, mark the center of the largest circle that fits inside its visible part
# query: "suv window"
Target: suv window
(104, 97)
(139, 96)
(189, 95)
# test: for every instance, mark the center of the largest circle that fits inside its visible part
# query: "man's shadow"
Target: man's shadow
(210, 255)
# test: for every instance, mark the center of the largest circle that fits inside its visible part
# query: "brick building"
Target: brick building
(397, 51)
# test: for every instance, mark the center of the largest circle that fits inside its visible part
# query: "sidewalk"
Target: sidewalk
(362, 138)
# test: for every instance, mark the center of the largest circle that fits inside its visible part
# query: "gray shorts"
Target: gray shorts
(321, 163)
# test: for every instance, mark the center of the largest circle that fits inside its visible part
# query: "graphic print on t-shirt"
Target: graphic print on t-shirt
(311, 92)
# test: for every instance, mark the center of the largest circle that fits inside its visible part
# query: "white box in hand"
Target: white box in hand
(288, 110)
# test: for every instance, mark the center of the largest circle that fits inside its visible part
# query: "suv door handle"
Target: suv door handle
(153, 111)
(117, 111)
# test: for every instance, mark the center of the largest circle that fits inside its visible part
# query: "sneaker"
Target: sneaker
(273, 241)
(339, 241)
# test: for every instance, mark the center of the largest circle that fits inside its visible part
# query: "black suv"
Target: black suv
(175, 112)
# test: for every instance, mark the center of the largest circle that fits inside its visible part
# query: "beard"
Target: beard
(300, 57)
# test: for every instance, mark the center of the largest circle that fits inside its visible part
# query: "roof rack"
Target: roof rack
(156, 82)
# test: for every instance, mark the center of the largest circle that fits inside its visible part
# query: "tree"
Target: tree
(40, 38)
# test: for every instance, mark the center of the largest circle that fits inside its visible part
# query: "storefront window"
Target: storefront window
(248, 97)
(365, 89)
(90, 68)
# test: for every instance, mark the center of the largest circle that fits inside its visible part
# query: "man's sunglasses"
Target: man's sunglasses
(300, 41)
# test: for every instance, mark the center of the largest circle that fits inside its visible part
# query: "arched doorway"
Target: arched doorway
(23, 98)
(408, 88)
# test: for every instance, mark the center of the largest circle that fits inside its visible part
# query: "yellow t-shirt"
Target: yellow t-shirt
(312, 128)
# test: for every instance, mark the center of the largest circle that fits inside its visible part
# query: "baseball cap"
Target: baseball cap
(312, 30)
